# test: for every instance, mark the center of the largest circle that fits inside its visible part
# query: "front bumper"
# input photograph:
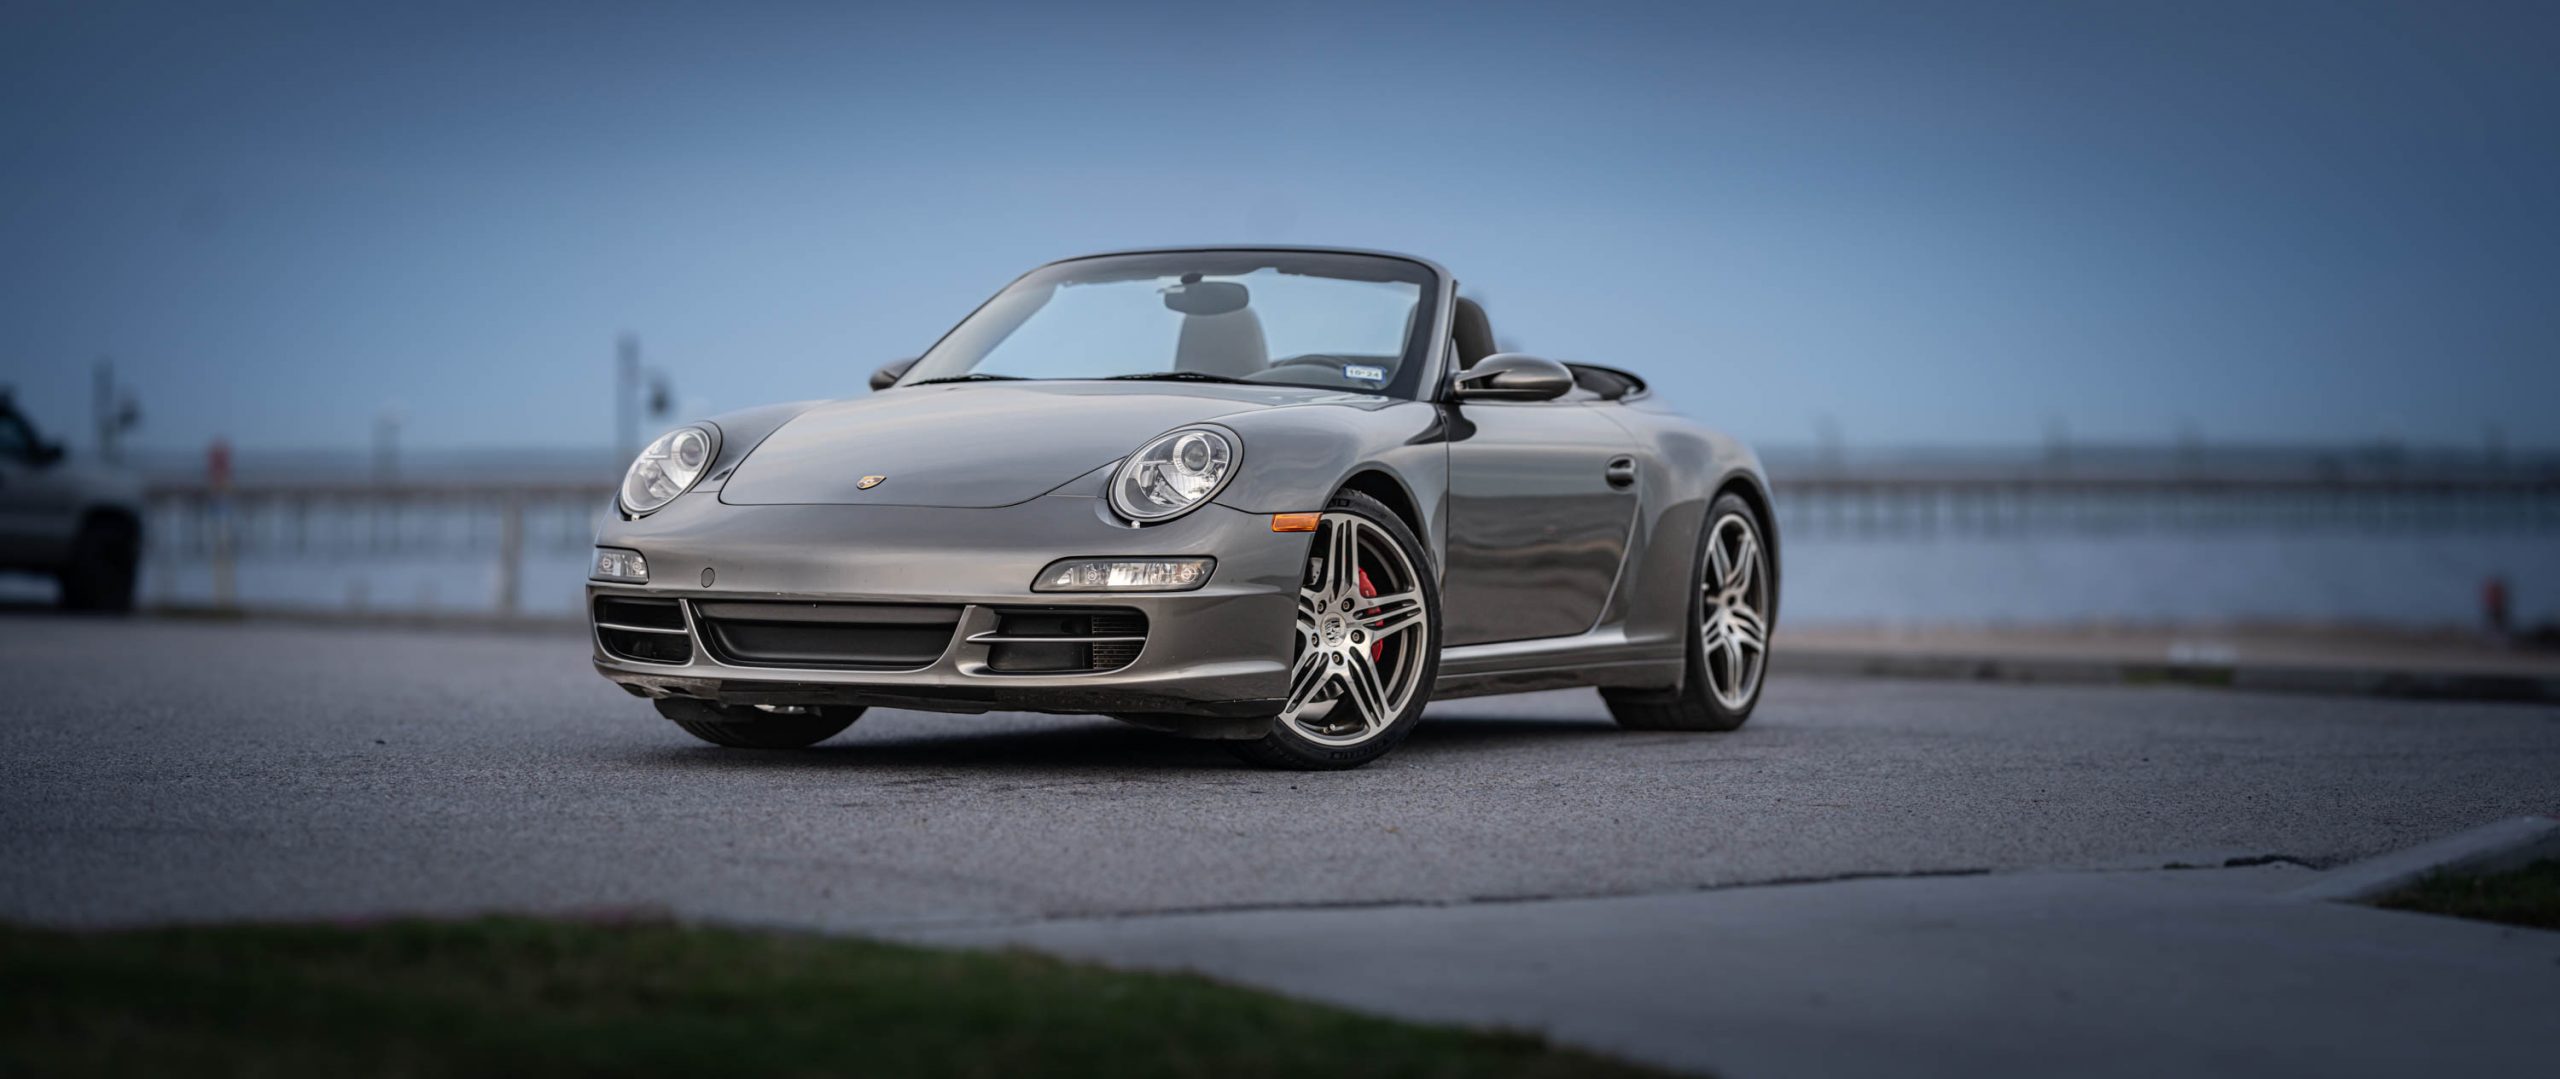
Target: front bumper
(1219, 651)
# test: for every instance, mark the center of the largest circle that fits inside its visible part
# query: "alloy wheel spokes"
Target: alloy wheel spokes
(1360, 649)
(1734, 634)
(1312, 672)
(1746, 556)
(1744, 627)
(1366, 691)
(1342, 559)
(1387, 616)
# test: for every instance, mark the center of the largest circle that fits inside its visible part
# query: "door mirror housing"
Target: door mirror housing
(1512, 376)
(890, 372)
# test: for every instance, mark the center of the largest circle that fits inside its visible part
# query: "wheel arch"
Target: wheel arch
(127, 516)
(1296, 457)
(1382, 485)
(1754, 492)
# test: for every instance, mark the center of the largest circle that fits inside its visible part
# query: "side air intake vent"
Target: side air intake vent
(1070, 640)
(646, 630)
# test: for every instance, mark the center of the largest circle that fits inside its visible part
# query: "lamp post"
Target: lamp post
(112, 407)
(631, 382)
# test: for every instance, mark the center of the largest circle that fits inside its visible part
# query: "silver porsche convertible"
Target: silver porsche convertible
(1281, 497)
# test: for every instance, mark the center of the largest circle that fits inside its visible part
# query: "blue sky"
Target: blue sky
(1959, 225)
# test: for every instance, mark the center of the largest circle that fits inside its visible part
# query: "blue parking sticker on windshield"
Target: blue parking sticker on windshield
(1373, 374)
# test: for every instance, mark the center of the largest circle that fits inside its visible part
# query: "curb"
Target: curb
(322, 616)
(2489, 848)
(2335, 681)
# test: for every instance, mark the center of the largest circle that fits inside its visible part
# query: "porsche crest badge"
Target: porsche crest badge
(869, 482)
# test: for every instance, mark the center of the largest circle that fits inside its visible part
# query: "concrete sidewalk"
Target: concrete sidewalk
(2187, 972)
(2344, 660)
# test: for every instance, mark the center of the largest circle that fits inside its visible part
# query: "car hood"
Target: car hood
(977, 445)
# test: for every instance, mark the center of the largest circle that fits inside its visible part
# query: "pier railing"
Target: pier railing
(220, 528)
(214, 531)
(1905, 504)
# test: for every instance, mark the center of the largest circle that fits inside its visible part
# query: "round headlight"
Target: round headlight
(669, 467)
(1173, 474)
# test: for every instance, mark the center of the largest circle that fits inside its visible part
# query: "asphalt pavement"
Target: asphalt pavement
(162, 770)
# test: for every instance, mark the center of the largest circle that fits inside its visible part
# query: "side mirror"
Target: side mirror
(1512, 376)
(889, 373)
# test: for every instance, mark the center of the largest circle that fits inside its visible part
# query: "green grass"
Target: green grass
(522, 997)
(2529, 896)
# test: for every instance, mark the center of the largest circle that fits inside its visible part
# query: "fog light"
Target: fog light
(1125, 575)
(616, 564)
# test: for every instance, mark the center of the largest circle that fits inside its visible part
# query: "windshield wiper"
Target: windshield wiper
(1175, 376)
(966, 378)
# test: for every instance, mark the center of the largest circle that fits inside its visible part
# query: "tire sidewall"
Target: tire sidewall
(104, 560)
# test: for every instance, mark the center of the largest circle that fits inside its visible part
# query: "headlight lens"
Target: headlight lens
(618, 564)
(1174, 474)
(669, 467)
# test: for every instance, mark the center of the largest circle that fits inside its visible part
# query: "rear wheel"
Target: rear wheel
(1728, 633)
(103, 559)
(1367, 643)
(745, 727)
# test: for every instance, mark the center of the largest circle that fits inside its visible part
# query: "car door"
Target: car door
(1541, 494)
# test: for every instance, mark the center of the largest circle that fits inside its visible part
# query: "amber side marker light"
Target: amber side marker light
(1295, 522)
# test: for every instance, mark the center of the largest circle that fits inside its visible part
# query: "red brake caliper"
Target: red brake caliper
(1377, 648)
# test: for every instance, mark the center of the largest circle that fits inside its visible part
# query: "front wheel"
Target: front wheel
(741, 727)
(1366, 645)
(1728, 633)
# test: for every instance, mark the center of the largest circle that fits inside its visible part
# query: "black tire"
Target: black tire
(1694, 706)
(749, 728)
(1285, 748)
(103, 560)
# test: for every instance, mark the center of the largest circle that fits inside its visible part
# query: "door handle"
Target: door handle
(1621, 472)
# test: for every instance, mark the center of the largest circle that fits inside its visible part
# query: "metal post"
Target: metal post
(386, 447)
(102, 406)
(626, 397)
(217, 482)
(510, 555)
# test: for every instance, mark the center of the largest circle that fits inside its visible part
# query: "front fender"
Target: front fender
(1296, 458)
(743, 430)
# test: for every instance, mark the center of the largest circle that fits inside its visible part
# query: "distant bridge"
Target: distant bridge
(192, 524)
(1910, 504)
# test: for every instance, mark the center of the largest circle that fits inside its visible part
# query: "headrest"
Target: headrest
(1474, 333)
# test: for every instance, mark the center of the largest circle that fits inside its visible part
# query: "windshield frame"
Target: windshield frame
(1419, 370)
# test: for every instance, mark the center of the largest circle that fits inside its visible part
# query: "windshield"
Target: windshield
(1346, 322)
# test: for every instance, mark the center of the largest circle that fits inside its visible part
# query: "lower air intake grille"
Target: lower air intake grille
(1113, 655)
(847, 636)
(1065, 640)
(646, 630)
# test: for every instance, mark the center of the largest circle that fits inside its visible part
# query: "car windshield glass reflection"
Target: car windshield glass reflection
(1329, 321)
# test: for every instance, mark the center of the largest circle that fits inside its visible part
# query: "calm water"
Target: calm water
(2416, 561)
(2406, 579)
